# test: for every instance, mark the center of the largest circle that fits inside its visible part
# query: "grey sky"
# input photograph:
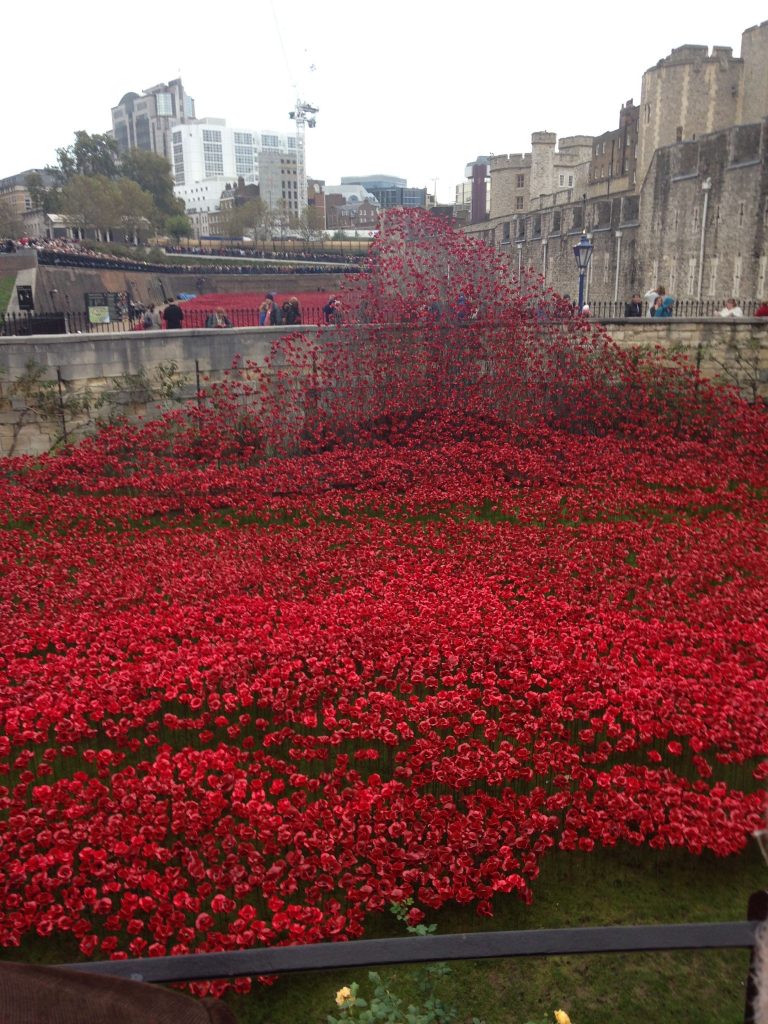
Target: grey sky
(417, 88)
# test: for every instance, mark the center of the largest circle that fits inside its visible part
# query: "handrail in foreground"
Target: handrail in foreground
(415, 949)
(463, 946)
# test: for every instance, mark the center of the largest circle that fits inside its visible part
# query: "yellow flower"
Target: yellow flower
(344, 994)
(562, 1017)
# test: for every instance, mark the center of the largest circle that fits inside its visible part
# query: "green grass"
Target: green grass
(7, 281)
(574, 890)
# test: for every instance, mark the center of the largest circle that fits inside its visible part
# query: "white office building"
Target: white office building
(208, 155)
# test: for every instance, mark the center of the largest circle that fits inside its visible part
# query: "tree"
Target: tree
(90, 202)
(89, 155)
(134, 206)
(152, 173)
(178, 226)
(253, 216)
(310, 223)
(102, 204)
(11, 224)
(42, 197)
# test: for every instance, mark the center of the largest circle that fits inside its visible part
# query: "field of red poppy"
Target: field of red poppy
(242, 308)
(490, 599)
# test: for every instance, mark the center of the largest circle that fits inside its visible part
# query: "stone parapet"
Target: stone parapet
(58, 388)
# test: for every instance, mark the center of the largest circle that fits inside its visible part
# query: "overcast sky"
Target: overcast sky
(414, 88)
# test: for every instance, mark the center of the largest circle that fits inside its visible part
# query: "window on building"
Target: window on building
(213, 157)
(521, 181)
(270, 141)
(570, 181)
(557, 219)
(178, 159)
(505, 232)
(736, 289)
(713, 275)
(679, 133)
(691, 274)
(519, 203)
(562, 180)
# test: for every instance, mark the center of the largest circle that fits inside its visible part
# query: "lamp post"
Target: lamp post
(618, 264)
(519, 258)
(544, 259)
(583, 253)
(706, 185)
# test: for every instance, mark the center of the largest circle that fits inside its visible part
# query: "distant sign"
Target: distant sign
(102, 307)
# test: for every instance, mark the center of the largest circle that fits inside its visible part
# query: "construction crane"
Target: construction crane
(304, 116)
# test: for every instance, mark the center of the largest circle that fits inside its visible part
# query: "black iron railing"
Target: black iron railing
(28, 324)
(686, 308)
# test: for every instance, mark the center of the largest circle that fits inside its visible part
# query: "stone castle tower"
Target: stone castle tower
(693, 92)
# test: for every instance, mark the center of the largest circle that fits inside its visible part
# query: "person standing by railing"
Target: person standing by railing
(663, 306)
(173, 315)
(731, 308)
(651, 297)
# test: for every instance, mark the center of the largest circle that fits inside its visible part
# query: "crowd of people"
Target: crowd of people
(659, 304)
(172, 316)
(64, 252)
(303, 255)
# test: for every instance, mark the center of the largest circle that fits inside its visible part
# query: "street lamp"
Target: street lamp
(544, 259)
(519, 258)
(706, 185)
(583, 253)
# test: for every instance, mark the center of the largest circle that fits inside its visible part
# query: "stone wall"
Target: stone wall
(732, 351)
(661, 225)
(52, 388)
(56, 388)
